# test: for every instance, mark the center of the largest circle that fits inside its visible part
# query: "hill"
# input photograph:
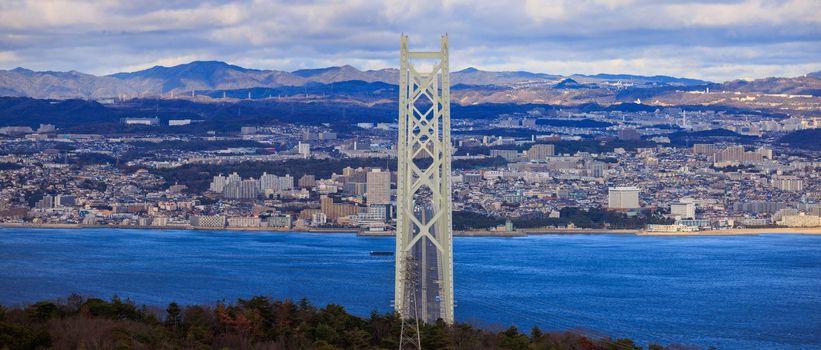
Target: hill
(806, 85)
(803, 139)
(255, 323)
(640, 79)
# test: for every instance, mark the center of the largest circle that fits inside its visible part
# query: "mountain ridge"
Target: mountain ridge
(204, 76)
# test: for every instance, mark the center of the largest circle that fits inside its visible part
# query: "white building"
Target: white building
(141, 121)
(275, 183)
(683, 210)
(788, 183)
(304, 149)
(623, 198)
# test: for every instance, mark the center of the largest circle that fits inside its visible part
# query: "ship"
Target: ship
(381, 253)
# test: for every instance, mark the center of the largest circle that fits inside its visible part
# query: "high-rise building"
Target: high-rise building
(64, 201)
(737, 154)
(280, 221)
(788, 183)
(243, 189)
(336, 210)
(275, 183)
(508, 154)
(704, 148)
(377, 212)
(307, 181)
(683, 210)
(540, 151)
(47, 202)
(629, 134)
(304, 149)
(623, 198)
(596, 169)
(378, 187)
(354, 188)
(218, 183)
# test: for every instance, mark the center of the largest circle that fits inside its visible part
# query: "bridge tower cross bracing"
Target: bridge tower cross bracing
(424, 220)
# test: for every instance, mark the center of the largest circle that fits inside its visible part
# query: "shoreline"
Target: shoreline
(469, 233)
(195, 228)
(741, 232)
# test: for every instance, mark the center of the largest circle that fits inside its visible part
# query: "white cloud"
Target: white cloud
(8, 56)
(695, 38)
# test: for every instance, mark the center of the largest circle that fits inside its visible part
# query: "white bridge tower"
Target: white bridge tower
(423, 229)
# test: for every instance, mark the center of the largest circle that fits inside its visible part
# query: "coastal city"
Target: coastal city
(439, 175)
(664, 170)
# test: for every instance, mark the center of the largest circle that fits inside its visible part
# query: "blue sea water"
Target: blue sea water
(741, 292)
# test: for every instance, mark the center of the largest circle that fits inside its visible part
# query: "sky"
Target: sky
(716, 40)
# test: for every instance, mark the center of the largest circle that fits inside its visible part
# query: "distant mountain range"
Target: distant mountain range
(215, 75)
(215, 79)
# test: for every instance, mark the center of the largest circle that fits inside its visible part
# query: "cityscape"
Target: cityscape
(642, 166)
(539, 174)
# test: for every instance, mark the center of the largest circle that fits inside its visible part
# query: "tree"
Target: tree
(535, 334)
(173, 318)
(513, 340)
(436, 336)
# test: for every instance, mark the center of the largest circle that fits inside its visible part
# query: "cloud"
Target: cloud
(716, 40)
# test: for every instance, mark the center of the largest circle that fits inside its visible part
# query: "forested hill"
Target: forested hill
(256, 323)
(804, 139)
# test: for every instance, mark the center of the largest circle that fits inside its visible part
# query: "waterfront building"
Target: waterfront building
(280, 221)
(670, 228)
(683, 210)
(623, 198)
(207, 221)
(319, 219)
(244, 221)
(698, 223)
(376, 213)
(159, 221)
(335, 211)
(800, 220)
(781, 213)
